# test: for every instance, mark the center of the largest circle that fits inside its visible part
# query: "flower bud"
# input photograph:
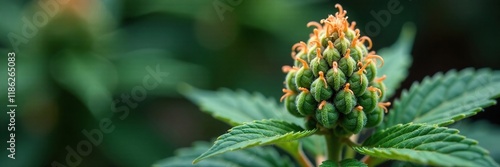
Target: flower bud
(359, 81)
(331, 54)
(347, 64)
(306, 104)
(369, 99)
(354, 121)
(378, 83)
(319, 64)
(290, 78)
(320, 89)
(290, 106)
(345, 100)
(335, 77)
(377, 116)
(342, 43)
(304, 76)
(326, 115)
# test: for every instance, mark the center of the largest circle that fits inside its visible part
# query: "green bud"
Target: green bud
(354, 121)
(319, 64)
(320, 89)
(326, 115)
(306, 104)
(356, 50)
(377, 83)
(371, 71)
(290, 99)
(313, 50)
(304, 76)
(356, 53)
(345, 100)
(335, 77)
(375, 118)
(311, 123)
(369, 99)
(302, 53)
(290, 77)
(342, 43)
(350, 34)
(347, 64)
(331, 54)
(359, 81)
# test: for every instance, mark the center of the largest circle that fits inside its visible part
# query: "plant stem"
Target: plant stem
(350, 153)
(334, 146)
(302, 159)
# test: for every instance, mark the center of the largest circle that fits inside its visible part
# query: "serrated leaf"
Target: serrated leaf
(257, 156)
(397, 59)
(426, 144)
(445, 99)
(256, 133)
(343, 163)
(486, 133)
(237, 107)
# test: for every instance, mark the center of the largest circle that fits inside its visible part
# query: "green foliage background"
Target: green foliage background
(70, 73)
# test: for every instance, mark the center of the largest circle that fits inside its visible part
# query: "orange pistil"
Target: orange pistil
(316, 41)
(372, 55)
(322, 77)
(315, 24)
(341, 34)
(341, 12)
(304, 63)
(335, 67)
(287, 69)
(353, 25)
(316, 34)
(347, 53)
(330, 26)
(323, 103)
(359, 108)
(382, 78)
(346, 88)
(360, 71)
(287, 93)
(384, 106)
(374, 89)
(304, 89)
(330, 44)
(345, 24)
(318, 54)
(355, 39)
(365, 38)
(301, 46)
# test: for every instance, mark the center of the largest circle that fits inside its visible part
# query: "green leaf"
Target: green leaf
(397, 59)
(257, 156)
(486, 133)
(426, 144)
(345, 162)
(444, 99)
(255, 133)
(237, 107)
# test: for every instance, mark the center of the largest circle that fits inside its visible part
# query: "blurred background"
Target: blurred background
(84, 64)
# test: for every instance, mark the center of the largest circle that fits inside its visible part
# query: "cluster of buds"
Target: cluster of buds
(333, 83)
